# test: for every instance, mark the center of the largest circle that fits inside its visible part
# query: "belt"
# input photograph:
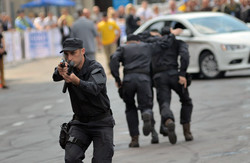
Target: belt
(161, 69)
(85, 119)
(141, 71)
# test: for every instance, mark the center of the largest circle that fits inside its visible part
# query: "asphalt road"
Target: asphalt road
(34, 107)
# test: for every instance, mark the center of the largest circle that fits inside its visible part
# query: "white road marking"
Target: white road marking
(3, 132)
(31, 116)
(18, 124)
(47, 107)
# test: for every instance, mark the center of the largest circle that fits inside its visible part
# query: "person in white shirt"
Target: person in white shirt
(144, 12)
(156, 11)
(50, 21)
(96, 15)
(172, 7)
(39, 22)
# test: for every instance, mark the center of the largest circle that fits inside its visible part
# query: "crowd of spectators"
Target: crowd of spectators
(129, 16)
(240, 10)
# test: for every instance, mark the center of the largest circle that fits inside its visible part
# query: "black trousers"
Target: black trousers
(100, 132)
(164, 83)
(140, 85)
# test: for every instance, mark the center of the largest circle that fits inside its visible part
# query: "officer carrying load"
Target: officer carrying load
(168, 76)
(135, 57)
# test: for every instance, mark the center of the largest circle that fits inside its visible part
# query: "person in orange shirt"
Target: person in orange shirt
(110, 33)
(2, 53)
(67, 16)
(183, 7)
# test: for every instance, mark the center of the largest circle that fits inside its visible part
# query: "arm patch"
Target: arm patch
(98, 77)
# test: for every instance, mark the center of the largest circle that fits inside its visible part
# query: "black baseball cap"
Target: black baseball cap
(71, 44)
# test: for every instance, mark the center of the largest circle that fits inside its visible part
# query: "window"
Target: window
(175, 25)
(158, 25)
(218, 24)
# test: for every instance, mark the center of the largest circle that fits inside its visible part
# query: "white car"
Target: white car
(217, 42)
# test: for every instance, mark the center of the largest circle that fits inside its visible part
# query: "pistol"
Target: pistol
(62, 63)
(70, 70)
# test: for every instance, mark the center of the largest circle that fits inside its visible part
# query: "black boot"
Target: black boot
(134, 142)
(146, 117)
(171, 131)
(163, 130)
(187, 133)
(155, 138)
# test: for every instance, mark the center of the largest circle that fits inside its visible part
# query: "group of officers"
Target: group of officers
(149, 61)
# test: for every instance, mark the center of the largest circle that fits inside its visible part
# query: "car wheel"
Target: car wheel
(209, 67)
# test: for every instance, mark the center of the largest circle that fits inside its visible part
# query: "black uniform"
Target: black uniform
(166, 74)
(136, 59)
(131, 23)
(93, 119)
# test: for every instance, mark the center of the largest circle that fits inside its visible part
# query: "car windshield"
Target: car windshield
(218, 24)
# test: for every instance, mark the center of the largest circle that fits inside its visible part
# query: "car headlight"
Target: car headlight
(231, 47)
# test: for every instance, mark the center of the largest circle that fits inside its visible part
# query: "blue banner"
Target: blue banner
(117, 3)
(38, 44)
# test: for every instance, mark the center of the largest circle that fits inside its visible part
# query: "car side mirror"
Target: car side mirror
(186, 33)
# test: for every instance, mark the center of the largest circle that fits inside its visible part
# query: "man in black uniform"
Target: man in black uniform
(166, 77)
(92, 120)
(136, 59)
